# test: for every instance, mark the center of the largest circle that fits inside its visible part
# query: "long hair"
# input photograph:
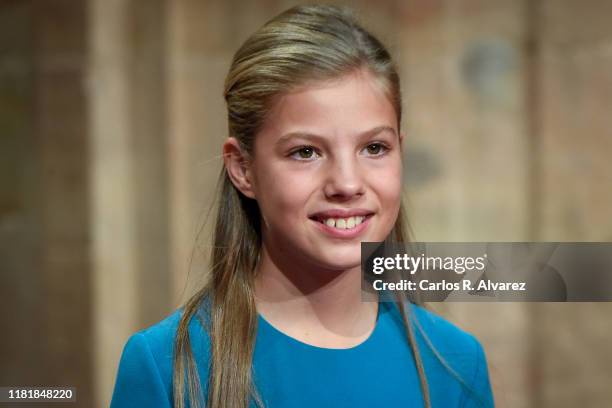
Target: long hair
(301, 45)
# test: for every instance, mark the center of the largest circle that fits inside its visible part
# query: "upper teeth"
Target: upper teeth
(344, 223)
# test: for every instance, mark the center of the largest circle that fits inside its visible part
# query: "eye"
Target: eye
(376, 149)
(304, 153)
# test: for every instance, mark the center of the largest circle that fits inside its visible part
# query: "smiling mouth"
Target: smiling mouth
(344, 223)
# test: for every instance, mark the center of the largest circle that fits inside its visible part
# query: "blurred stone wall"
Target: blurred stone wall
(111, 123)
(45, 258)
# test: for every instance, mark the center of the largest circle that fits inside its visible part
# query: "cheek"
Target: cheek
(390, 195)
(390, 202)
(387, 185)
(281, 194)
(388, 180)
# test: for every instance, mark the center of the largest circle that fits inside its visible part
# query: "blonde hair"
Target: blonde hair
(301, 45)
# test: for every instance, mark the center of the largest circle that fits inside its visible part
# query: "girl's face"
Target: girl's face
(326, 172)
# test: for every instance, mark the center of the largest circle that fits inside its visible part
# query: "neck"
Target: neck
(299, 297)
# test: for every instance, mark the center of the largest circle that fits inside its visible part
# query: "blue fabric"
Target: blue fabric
(380, 372)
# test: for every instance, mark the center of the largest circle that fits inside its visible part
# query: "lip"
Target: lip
(340, 213)
(343, 233)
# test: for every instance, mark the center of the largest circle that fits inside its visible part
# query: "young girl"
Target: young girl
(312, 168)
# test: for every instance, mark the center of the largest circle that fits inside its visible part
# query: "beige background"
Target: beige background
(111, 122)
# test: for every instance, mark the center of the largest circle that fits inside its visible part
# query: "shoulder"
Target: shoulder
(453, 353)
(440, 331)
(144, 374)
(160, 337)
(432, 328)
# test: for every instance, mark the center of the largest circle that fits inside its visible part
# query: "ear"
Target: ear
(402, 136)
(237, 166)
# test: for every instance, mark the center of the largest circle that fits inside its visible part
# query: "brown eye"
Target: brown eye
(306, 152)
(375, 148)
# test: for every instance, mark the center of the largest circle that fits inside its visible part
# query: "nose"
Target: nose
(344, 179)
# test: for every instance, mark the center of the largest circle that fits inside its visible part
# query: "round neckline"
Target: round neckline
(277, 332)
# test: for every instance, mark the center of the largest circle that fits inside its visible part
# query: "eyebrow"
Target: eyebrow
(306, 135)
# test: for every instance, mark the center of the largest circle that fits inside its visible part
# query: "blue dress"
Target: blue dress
(379, 372)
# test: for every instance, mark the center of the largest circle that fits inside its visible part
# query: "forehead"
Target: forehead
(344, 106)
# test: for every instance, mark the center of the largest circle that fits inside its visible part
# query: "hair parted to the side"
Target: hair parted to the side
(299, 46)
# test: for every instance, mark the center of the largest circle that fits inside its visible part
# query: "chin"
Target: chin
(341, 259)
